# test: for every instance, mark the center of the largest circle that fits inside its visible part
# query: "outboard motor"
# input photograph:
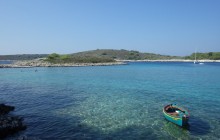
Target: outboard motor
(185, 119)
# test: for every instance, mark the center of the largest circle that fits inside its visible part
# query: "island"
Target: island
(99, 57)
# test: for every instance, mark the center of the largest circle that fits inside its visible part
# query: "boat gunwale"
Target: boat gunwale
(176, 117)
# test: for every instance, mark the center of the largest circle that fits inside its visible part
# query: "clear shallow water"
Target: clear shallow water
(114, 102)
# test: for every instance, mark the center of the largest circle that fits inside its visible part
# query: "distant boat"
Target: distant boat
(196, 61)
(176, 114)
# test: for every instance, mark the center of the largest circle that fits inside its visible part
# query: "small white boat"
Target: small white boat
(196, 61)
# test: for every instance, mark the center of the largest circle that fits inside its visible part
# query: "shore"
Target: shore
(171, 60)
(42, 63)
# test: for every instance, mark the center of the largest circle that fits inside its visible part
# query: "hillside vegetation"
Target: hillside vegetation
(123, 55)
(22, 56)
(102, 56)
(205, 56)
(56, 58)
(107, 55)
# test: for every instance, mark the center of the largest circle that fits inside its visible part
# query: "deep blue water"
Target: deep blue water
(114, 102)
(6, 61)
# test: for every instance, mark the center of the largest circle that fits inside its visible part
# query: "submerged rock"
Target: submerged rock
(9, 124)
(5, 109)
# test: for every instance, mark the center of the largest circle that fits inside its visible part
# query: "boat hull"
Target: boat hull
(180, 120)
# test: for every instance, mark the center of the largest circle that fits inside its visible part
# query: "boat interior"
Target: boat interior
(173, 110)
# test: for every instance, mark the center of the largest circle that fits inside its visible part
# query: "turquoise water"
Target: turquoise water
(114, 102)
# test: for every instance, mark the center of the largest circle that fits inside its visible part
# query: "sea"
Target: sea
(114, 102)
(6, 62)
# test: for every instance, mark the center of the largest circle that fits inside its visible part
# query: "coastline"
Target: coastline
(42, 63)
(170, 60)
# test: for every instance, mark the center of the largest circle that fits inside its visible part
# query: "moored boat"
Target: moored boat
(176, 114)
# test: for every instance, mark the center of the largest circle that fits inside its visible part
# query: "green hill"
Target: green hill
(105, 55)
(123, 55)
(56, 58)
(22, 56)
(204, 56)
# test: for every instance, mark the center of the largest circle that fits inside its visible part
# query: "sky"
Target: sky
(170, 27)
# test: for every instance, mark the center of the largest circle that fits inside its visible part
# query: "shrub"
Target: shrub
(53, 56)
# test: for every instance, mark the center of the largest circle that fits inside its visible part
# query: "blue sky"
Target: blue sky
(173, 27)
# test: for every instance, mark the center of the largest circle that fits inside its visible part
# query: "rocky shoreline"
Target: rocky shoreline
(9, 124)
(42, 63)
(171, 60)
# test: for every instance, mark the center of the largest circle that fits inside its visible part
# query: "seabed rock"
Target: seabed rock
(9, 124)
(5, 109)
